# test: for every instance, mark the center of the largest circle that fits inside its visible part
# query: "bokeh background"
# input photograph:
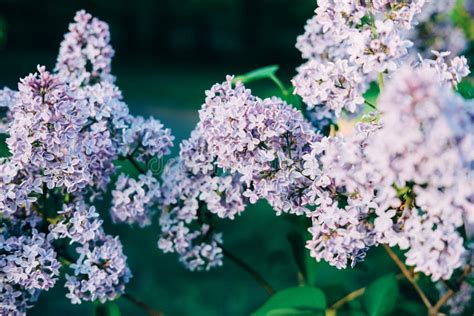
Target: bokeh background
(168, 53)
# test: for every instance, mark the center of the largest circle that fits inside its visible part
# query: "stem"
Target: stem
(381, 83)
(349, 297)
(370, 104)
(150, 311)
(408, 276)
(445, 298)
(279, 84)
(45, 198)
(260, 280)
(331, 311)
(135, 164)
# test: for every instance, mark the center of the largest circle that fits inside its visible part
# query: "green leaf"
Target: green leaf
(381, 295)
(292, 311)
(470, 281)
(257, 74)
(306, 300)
(107, 309)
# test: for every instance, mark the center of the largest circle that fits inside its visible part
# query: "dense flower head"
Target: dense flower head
(194, 189)
(28, 265)
(133, 200)
(17, 189)
(262, 140)
(434, 161)
(349, 43)
(146, 139)
(65, 130)
(85, 56)
(43, 133)
(100, 272)
(108, 119)
(79, 223)
(330, 86)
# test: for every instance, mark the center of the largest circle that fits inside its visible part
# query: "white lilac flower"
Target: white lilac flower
(133, 200)
(43, 133)
(100, 272)
(146, 139)
(85, 55)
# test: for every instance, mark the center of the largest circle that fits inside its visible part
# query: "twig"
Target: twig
(381, 83)
(150, 311)
(408, 276)
(260, 280)
(349, 297)
(450, 292)
(370, 104)
(135, 164)
(353, 295)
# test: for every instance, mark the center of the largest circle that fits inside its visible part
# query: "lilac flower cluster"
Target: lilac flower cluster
(193, 190)
(100, 272)
(85, 55)
(65, 130)
(262, 140)
(146, 139)
(370, 188)
(434, 160)
(349, 43)
(132, 200)
(28, 265)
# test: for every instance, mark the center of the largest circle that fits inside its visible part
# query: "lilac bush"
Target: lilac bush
(66, 129)
(400, 177)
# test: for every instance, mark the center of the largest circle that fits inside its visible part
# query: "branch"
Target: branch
(408, 276)
(135, 164)
(445, 298)
(150, 311)
(346, 299)
(260, 280)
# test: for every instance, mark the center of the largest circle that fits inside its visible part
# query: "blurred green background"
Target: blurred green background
(168, 53)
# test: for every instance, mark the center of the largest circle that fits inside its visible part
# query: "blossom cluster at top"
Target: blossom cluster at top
(64, 131)
(348, 44)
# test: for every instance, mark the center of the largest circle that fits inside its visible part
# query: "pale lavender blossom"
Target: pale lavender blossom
(100, 272)
(133, 200)
(85, 55)
(43, 133)
(79, 223)
(28, 265)
(193, 190)
(146, 139)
